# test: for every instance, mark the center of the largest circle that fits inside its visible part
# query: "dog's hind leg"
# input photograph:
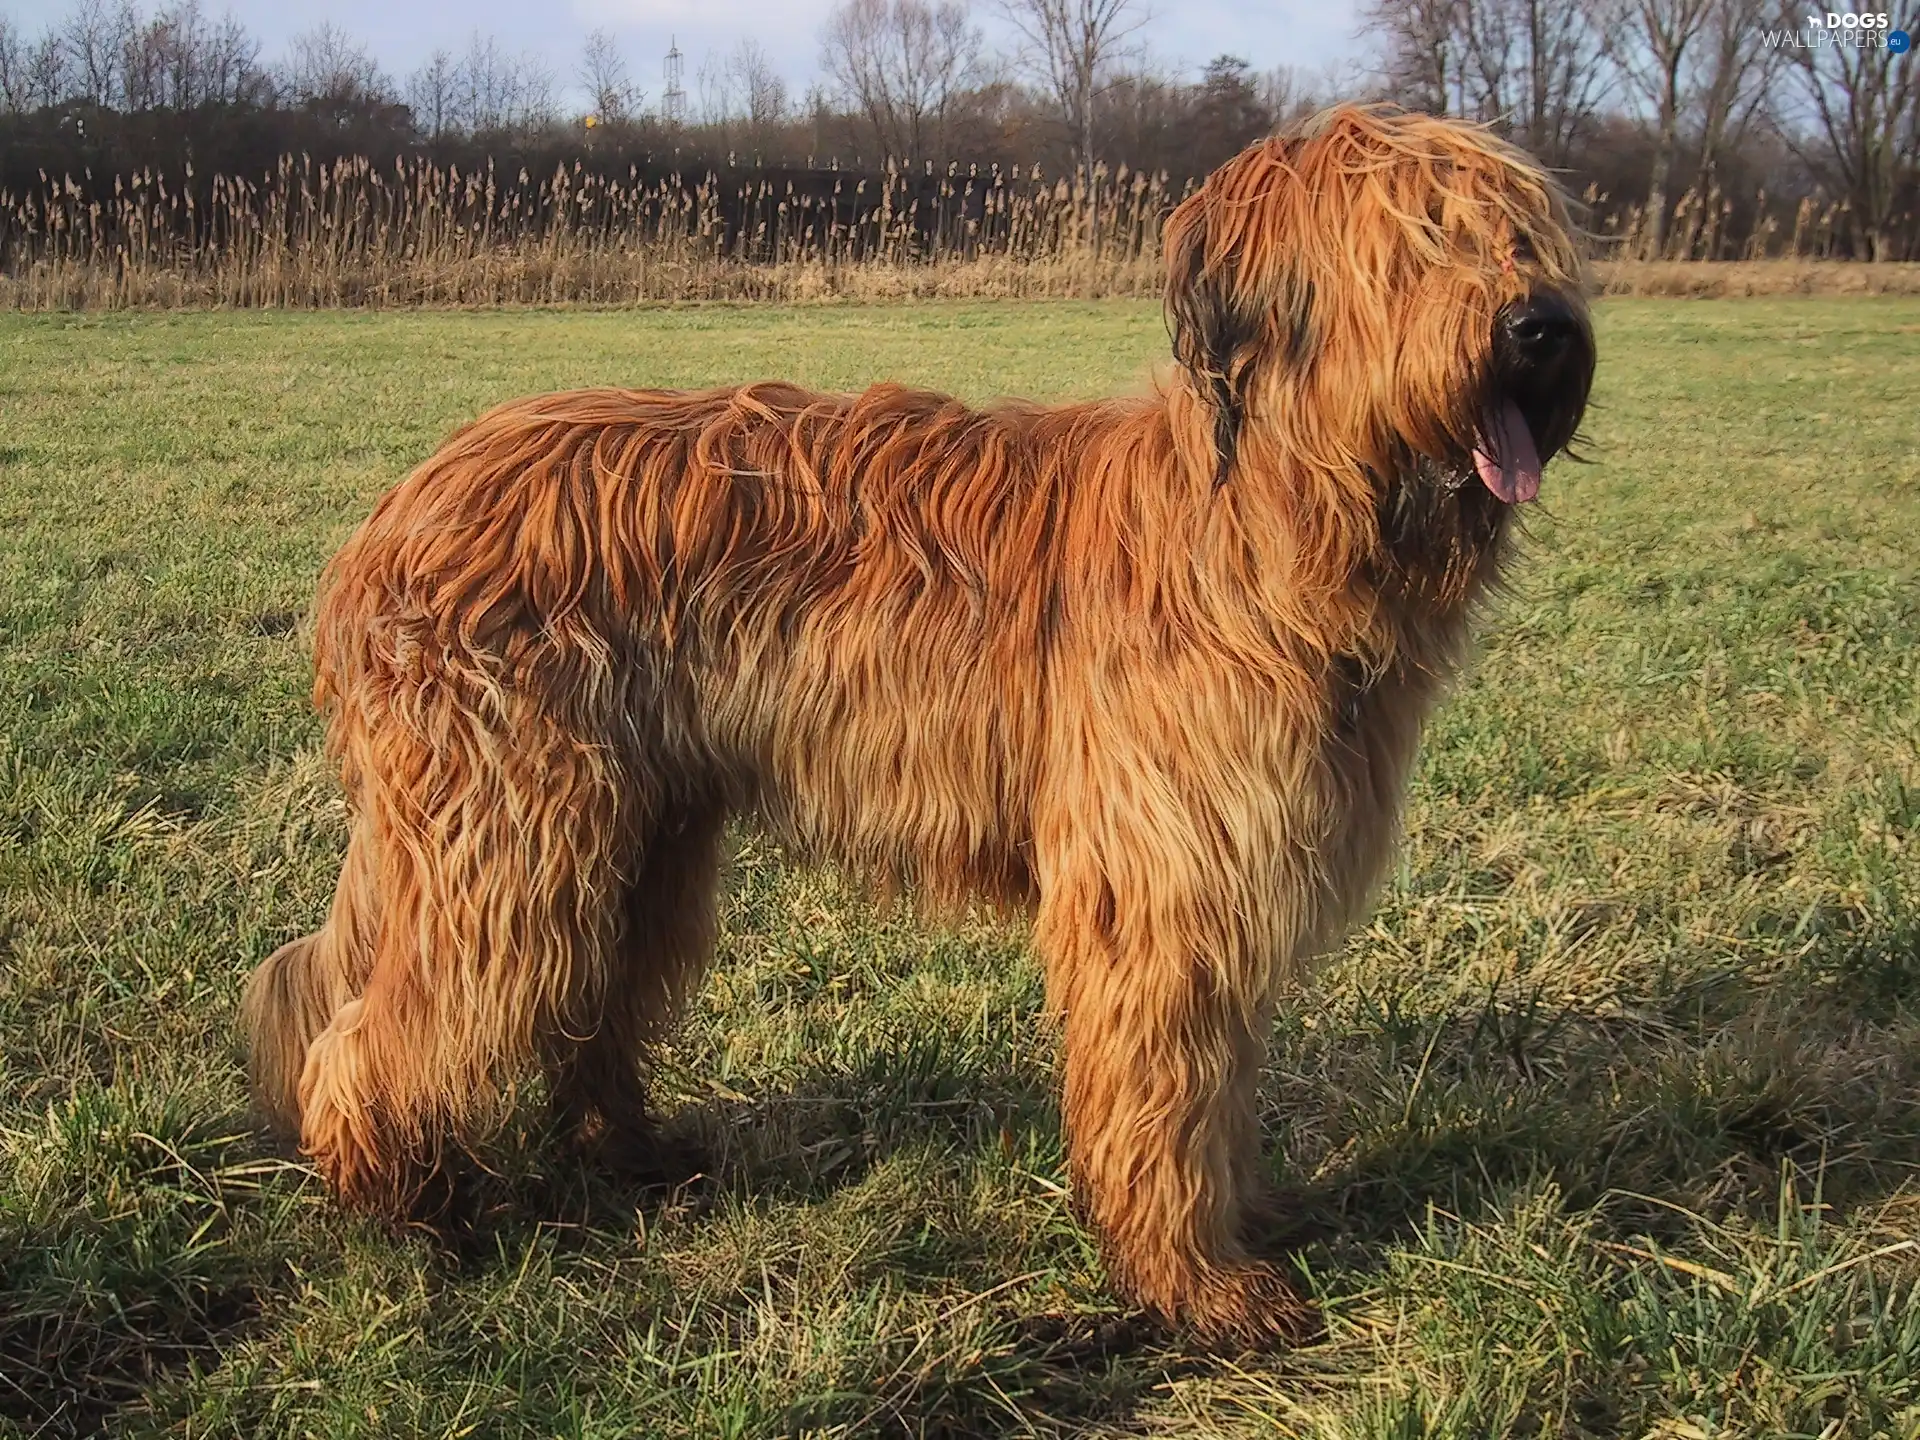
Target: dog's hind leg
(595, 1079)
(1166, 1020)
(500, 832)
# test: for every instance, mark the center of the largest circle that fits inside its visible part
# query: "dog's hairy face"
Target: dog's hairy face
(1395, 293)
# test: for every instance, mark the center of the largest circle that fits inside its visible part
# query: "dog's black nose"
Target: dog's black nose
(1541, 326)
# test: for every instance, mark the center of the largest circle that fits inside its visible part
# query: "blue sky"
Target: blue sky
(1186, 32)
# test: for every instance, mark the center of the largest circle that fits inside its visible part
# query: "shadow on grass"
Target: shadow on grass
(128, 1263)
(1692, 1098)
(1693, 1094)
(69, 1367)
(825, 1132)
(1073, 1372)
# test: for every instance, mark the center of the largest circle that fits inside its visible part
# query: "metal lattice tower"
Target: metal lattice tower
(673, 100)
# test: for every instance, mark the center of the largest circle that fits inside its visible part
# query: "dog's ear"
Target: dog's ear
(1211, 329)
(1225, 320)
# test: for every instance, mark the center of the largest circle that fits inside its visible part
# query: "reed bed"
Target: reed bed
(1707, 225)
(347, 233)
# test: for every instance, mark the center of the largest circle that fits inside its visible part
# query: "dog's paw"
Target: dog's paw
(1252, 1307)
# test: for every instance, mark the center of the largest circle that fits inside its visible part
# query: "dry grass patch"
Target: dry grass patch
(1728, 279)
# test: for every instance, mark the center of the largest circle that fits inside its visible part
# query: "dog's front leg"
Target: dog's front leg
(1165, 1032)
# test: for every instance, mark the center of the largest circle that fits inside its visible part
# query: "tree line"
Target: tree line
(1689, 127)
(1648, 101)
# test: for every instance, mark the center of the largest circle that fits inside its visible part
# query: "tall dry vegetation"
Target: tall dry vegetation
(1701, 227)
(349, 233)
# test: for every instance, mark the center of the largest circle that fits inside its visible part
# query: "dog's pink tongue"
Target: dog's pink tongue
(1508, 463)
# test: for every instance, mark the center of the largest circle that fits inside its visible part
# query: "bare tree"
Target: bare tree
(498, 91)
(536, 93)
(603, 71)
(45, 73)
(1568, 76)
(1858, 127)
(94, 46)
(710, 83)
(181, 42)
(1421, 63)
(143, 78)
(1657, 44)
(1141, 106)
(1072, 49)
(1537, 68)
(182, 35)
(230, 63)
(178, 58)
(433, 94)
(759, 94)
(1739, 78)
(33, 75)
(817, 107)
(327, 64)
(1290, 93)
(13, 68)
(900, 64)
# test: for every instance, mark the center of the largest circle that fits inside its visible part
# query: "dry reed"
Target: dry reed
(1703, 227)
(347, 233)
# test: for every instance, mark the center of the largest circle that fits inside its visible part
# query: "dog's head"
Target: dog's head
(1386, 293)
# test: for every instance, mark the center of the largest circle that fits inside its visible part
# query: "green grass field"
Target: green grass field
(1607, 1123)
